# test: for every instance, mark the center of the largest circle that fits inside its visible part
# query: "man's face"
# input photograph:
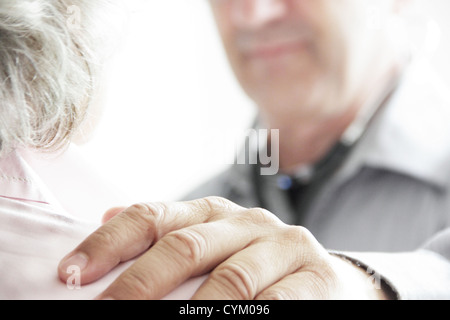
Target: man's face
(300, 58)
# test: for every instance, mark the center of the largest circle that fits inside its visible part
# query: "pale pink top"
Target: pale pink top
(48, 205)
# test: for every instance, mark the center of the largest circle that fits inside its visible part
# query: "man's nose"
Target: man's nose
(252, 14)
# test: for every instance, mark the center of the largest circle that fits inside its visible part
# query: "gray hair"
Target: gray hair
(48, 70)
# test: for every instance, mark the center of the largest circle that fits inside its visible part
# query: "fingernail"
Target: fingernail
(79, 260)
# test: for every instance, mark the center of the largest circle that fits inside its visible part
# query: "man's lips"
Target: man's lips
(273, 51)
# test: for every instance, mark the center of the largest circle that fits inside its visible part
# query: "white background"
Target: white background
(170, 92)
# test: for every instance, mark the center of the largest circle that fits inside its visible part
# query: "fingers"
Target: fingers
(257, 255)
(247, 273)
(133, 231)
(320, 279)
(178, 256)
(120, 239)
(302, 285)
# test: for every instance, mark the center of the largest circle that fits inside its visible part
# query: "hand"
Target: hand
(249, 253)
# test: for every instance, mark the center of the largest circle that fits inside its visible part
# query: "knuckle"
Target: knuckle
(236, 280)
(147, 211)
(261, 216)
(188, 244)
(215, 207)
(306, 249)
(297, 234)
(215, 203)
(301, 238)
(146, 215)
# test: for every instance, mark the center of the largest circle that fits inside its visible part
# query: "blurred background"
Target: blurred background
(170, 92)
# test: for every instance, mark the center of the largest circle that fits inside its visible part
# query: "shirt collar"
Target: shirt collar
(17, 181)
(412, 133)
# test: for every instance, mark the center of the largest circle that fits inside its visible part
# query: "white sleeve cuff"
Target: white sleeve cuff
(418, 275)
